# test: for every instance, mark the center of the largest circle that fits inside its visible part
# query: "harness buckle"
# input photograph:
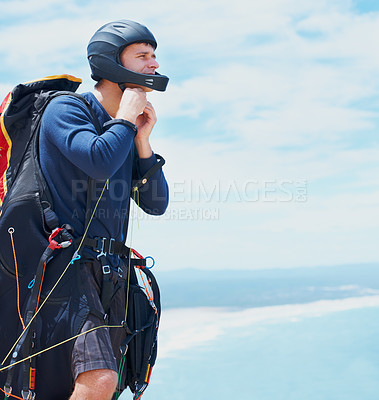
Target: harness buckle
(28, 395)
(7, 390)
(54, 244)
(100, 247)
(106, 269)
(110, 250)
(124, 349)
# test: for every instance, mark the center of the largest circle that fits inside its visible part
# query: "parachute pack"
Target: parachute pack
(43, 308)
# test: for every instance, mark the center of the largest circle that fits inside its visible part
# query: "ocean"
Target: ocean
(324, 346)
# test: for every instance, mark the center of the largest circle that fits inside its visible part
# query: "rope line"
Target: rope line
(149, 294)
(40, 286)
(10, 394)
(38, 309)
(148, 289)
(122, 362)
(58, 280)
(11, 231)
(59, 344)
(135, 191)
(120, 371)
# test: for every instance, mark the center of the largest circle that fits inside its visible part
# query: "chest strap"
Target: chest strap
(110, 246)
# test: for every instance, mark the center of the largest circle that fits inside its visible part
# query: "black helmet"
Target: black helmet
(104, 51)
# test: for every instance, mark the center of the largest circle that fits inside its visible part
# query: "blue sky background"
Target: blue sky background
(269, 125)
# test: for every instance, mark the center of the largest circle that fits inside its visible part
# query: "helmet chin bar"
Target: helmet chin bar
(155, 82)
(102, 66)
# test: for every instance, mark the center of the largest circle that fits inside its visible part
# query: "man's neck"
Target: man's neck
(109, 96)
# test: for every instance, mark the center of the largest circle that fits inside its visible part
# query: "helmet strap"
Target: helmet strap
(122, 86)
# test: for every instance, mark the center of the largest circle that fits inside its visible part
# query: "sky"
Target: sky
(269, 125)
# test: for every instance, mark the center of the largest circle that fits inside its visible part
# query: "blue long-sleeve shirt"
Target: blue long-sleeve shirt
(71, 150)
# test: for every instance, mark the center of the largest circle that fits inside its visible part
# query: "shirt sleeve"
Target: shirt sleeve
(69, 126)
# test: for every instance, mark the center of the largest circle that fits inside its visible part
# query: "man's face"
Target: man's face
(139, 57)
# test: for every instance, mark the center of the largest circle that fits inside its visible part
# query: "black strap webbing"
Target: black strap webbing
(156, 167)
(136, 185)
(111, 246)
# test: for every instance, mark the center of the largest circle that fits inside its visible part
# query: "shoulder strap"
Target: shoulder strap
(95, 120)
(91, 182)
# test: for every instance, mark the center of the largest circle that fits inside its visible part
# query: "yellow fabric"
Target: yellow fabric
(64, 76)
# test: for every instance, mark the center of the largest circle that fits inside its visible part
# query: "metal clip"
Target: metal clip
(7, 390)
(111, 241)
(106, 269)
(76, 256)
(29, 395)
(101, 251)
(124, 349)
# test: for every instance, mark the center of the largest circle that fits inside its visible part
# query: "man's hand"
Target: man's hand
(145, 123)
(132, 104)
(135, 108)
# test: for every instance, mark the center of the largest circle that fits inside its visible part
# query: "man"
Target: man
(122, 59)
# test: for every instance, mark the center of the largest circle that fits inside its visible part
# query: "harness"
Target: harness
(41, 295)
(108, 246)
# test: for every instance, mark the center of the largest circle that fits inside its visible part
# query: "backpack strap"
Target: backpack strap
(99, 130)
(60, 238)
(65, 239)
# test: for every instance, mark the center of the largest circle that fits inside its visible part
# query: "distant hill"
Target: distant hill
(258, 288)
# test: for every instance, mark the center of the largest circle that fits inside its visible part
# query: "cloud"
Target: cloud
(260, 94)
